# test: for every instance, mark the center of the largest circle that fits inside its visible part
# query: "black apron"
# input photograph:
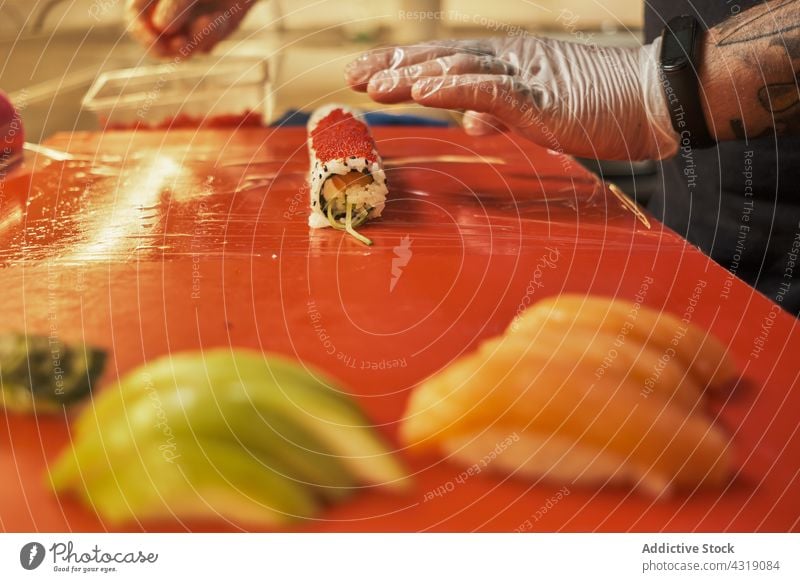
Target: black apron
(744, 207)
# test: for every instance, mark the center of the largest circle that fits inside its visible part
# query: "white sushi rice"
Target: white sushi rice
(555, 459)
(372, 196)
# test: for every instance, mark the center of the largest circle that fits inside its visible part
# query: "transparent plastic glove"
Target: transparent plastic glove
(180, 28)
(584, 100)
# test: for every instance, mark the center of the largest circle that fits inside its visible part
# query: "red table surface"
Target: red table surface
(151, 243)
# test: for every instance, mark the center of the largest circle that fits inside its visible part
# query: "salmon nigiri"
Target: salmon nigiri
(576, 413)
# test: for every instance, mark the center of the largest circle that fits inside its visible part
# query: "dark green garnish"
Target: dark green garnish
(43, 374)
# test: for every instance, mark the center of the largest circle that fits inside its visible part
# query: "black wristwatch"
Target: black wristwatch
(679, 43)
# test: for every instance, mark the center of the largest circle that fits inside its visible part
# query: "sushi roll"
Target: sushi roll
(347, 181)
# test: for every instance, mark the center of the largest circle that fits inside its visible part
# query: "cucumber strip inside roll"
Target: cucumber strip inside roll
(349, 226)
(341, 194)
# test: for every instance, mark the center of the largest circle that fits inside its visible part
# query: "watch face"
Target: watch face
(678, 45)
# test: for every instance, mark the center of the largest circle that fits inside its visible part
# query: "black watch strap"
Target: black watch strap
(679, 43)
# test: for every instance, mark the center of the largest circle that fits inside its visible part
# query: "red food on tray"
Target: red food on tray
(185, 121)
(339, 135)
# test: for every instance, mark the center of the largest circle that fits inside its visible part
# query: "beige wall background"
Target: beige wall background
(362, 17)
(460, 14)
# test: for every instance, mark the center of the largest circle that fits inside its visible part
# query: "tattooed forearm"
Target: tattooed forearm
(779, 97)
(750, 73)
(756, 24)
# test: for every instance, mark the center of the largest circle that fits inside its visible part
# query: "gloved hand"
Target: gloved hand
(584, 100)
(179, 28)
